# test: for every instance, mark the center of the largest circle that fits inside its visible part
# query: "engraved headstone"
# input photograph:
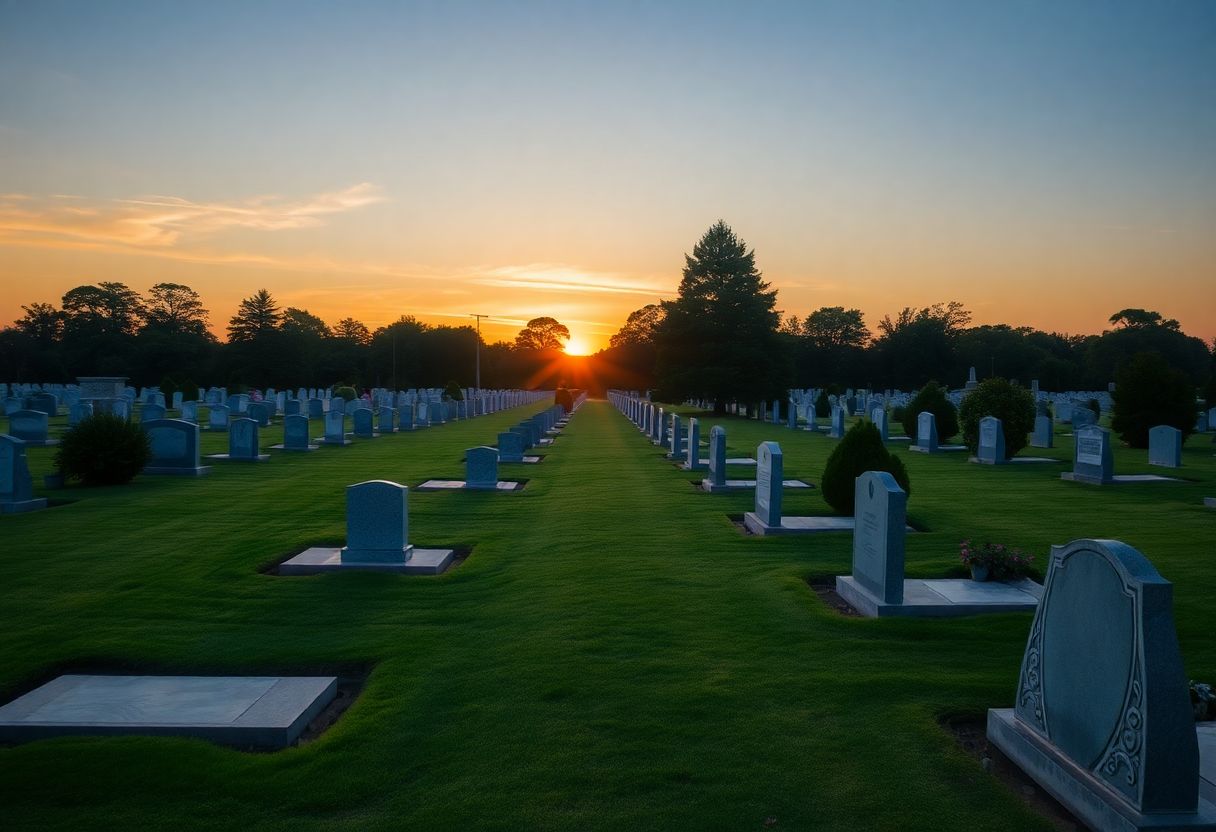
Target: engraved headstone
(16, 485)
(878, 536)
(991, 441)
(1165, 446)
(1093, 461)
(481, 468)
(175, 448)
(770, 473)
(926, 432)
(377, 523)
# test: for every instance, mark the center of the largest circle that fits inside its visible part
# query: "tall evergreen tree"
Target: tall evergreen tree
(719, 338)
(257, 315)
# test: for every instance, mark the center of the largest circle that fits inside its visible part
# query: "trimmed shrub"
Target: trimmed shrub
(1095, 407)
(452, 391)
(103, 450)
(1149, 392)
(346, 393)
(1007, 401)
(565, 398)
(932, 397)
(859, 451)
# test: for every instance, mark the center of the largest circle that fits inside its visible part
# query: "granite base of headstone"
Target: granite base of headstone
(16, 484)
(1102, 719)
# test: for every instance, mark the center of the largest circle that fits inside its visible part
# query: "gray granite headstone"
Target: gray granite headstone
(926, 432)
(260, 413)
(316, 408)
(29, 426)
(879, 417)
(151, 412)
(43, 403)
(510, 447)
(335, 426)
(481, 468)
(878, 536)
(676, 448)
(377, 523)
(16, 485)
(1093, 461)
(362, 420)
(295, 432)
(175, 447)
(189, 411)
(217, 417)
(385, 419)
(78, 412)
(1043, 436)
(836, 431)
(992, 441)
(1083, 417)
(243, 439)
(770, 474)
(1165, 446)
(717, 458)
(1102, 718)
(692, 453)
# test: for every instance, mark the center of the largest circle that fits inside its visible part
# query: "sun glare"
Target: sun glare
(577, 346)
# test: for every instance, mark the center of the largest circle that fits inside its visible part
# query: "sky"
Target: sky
(1044, 163)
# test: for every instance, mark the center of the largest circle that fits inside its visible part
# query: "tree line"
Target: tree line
(163, 338)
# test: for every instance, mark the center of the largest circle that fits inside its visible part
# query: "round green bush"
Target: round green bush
(931, 398)
(103, 450)
(859, 451)
(452, 391)
(1007, 401)
(346, 393)
(565, 398)
(1149, 392)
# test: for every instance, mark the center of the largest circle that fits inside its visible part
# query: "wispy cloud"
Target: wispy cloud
(558, 277)
(161, 222)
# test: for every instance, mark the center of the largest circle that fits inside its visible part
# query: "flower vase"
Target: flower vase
(979, 572)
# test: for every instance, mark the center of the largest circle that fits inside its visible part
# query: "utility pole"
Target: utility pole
(477, 376)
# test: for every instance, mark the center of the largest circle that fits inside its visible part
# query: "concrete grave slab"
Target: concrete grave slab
(456, 485)
(327, 559)
(944, 598)
(264, 711)
(1120, 479)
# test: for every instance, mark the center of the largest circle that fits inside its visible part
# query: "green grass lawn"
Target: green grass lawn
(613, 655)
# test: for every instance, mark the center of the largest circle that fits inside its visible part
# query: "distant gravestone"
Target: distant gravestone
(295, 433)
(11, 405)
(481, 468)
(335, 427)
(992, 442)
(1043, 436)
(837, 429)
(1165, 446)
(151, 412)
(292, 407)
(238, 403)
(676, 447)
(316, 408)
(385, 419)
(770, 476)
(174, 444)
(362, 420)
(1102, 718)
(510, 447)
(878, 536)
(926, 432)
(43, 403)
(1093, 461)
(30, 426)
(260, 413)
(190, 411)
(377, 523)
(177, 399)
(243, 441)
(879, 417)
(217, 417)
(405, 417)
(971, 381)
(1201, 422)
(16, 485)
(717, 460)
(692, 454)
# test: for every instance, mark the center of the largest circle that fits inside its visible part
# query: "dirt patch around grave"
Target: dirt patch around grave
(824, 586)
(970, 732)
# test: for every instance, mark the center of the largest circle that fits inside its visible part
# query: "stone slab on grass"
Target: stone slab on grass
(943, 598)
(735, 460)
(323, 559)
(741, 484)
(263, 711)
(1119, 479)
(459, 485)
(945, 449)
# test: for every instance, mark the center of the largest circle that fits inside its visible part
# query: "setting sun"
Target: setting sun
(577, 346)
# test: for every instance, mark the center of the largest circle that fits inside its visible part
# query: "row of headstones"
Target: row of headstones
(683, 448)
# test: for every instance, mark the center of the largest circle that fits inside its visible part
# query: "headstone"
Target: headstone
(717, 459)
(837, 429)
(295, 433)
(177, 399)
(992, 442)
(217, 417)
(335, 427)
(43, 403)
(405, 417)
(151, 412)
(926, 432)
(770, 474)
(362, 420)
(30, 426)
(879, 417)
(1043, 436)
(190, 411)
(316, 408)
(971, 382)
(677, 438)
(78, 412)
(693, 453)
(260, 413)
(386, 418)
(481, 468)
(16, 485)
(377, 523)
(175, 446)
(293, 407)
(1093, 461)
(510, 447)
(243, 440)
(1165, 446)
(1083, 417)
(1101, 718)
(878, 536)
